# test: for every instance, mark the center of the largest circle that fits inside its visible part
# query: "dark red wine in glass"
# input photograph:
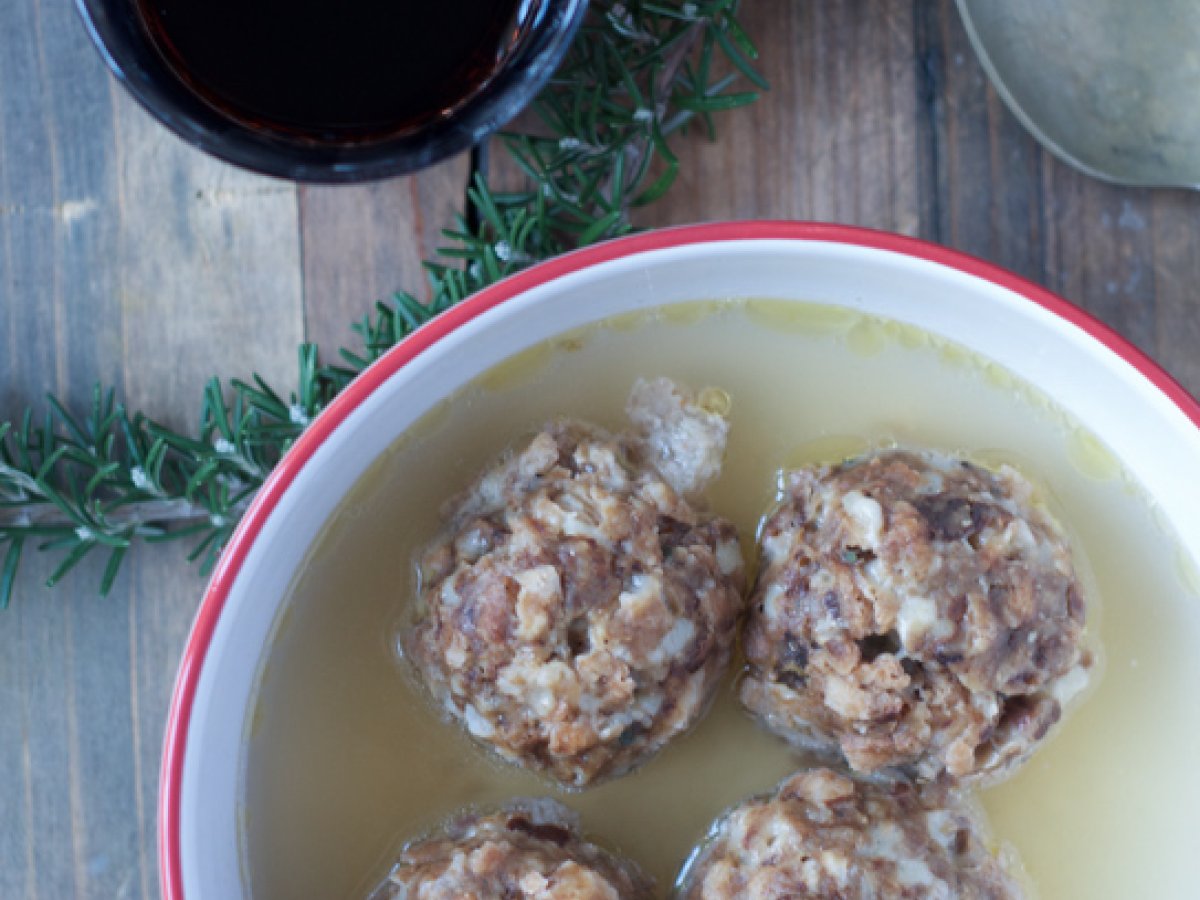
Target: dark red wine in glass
(333, 90)
(336, 71)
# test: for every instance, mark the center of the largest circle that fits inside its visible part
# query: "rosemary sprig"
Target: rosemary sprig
(638, 74)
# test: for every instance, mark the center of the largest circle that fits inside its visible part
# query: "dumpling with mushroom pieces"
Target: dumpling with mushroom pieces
(530, 850)
(580, 606)
(822, 834)
(915, 611)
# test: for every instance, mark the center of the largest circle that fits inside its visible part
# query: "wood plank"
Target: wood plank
(63, 332)
(21, 97)
(1175, 232)
(989, 192)
(1100, 251)
(836, 136)
(130, 259)
(38, 846)
(364, 242)
(208, 253)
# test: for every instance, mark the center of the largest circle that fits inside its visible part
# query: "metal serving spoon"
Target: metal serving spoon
(1110, 86)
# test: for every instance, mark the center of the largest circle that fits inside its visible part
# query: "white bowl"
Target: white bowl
(1148, 421)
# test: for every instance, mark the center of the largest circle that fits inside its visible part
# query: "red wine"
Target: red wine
(334, 71)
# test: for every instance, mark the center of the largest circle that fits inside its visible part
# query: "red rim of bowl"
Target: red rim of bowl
(285, 473)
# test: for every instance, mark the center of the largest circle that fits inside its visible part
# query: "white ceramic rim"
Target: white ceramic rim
(1149, 422)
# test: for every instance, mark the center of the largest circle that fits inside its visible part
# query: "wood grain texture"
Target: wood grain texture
(836, 138)
(127, 257)
(364, 242)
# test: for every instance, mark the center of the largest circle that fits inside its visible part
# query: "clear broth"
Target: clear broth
(346, 761)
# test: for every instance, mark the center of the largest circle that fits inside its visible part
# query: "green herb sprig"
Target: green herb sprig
(599, 145)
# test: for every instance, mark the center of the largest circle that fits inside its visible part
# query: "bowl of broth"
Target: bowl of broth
(300, 757)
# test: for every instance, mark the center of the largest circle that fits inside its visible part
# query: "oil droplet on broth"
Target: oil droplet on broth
(999, 376)
(629, 321)
(1189, 574)
(867, 338)
(955, 355)
(828, 449)
(379, 767)
(519, 369)
(256, 720)
(571, 341)
(692, 312)
(908, 336)
(715, 400)
(1091, 457)
(802, 318)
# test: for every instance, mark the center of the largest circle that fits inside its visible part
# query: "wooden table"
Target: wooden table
(129, 258)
